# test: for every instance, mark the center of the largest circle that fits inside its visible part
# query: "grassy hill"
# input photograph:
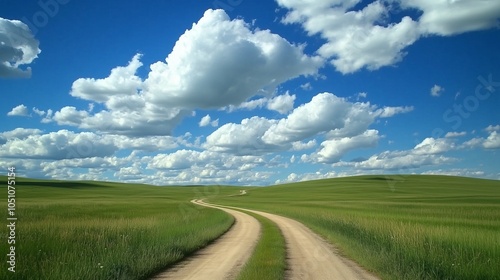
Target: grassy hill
(96, 230)
(401, 227)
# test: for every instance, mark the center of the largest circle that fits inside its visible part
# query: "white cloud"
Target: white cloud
(493, 141)
(436, 90)
(20, 111)
(18, 133)
(492, 128)
(326, 114)
(18, 47)
(298, 146)
(387, 112)
(122, 82)
(207, 120)
(333, 150)
(221, 62)
(294, 177)
(455, 134)
(217, 63)
(62, 144)
(242, 139)
(361, 95)
(323, 113)
(431, 146)
(70, 116)
(281, 103)
(427, 153)
(361, 36)
(39, 112)
(306, 86)
(450, 17)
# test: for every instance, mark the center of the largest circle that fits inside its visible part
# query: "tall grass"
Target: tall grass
(86, 230)
(411, 227)
(268, 260)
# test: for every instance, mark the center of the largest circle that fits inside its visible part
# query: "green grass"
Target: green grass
(268, 260)
(400, 227)
(88, 230)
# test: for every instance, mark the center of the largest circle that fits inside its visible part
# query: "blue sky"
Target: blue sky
(238, 92)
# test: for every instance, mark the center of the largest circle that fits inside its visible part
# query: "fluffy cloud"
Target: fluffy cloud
(450, 17)
(21, 111)
(333, 150)
(431, 146)
(242, 139)
(436, 90)
(58, 145)
(428, 152)
(361, 36)
(64, 144)
(492, 128)
(122, 82)
(217, 63)
(326, 114)
(18, 47)
(207, 120)
(493, 141)
(18, 133)
(220, 62)
(282, 103)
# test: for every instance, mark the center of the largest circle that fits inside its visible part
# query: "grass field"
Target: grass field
(268, 261)
(87, 230)
(400, 227)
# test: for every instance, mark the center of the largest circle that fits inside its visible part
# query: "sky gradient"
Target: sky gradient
(245, 93)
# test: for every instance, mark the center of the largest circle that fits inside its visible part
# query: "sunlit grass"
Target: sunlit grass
(400, 227)
(268, 260)
(78, 230)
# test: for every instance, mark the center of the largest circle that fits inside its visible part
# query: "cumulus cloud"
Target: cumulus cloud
(433, 146)
(281, 103)
(220, 62)
(325, 115)
(18, 47)
(18, 133)
(217, 63)
(20, 111)
(427, 153)
(207, 120)
(436, 90)
(362, 36)
(492, 128)
(333, 150)
(242, 139)
(62, 144)
(493, 141)
(121, 82)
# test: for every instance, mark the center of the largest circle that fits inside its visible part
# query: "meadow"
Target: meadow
(94, 230)
(399, 227)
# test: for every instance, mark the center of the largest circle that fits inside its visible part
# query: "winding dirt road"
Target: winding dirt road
(308, 255)
(224, 258)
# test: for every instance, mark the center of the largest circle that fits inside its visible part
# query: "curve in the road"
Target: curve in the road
(309, 256)
(224, 258)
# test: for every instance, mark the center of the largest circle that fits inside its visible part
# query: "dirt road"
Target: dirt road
(224, 258)
(308, 255)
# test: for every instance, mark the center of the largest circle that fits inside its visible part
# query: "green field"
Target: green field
(87, 230)
(400, 227)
